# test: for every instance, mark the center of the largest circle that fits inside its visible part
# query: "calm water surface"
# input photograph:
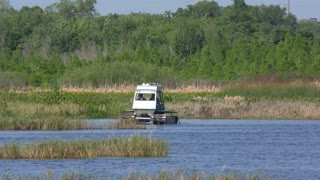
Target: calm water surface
(279, 149)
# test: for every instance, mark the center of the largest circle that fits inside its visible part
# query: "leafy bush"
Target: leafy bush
(97, 75)
(12, 79)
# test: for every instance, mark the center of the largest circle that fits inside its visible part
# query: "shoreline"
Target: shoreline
(244, 102)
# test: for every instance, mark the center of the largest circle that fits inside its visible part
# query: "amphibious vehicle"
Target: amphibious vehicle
(148, 106)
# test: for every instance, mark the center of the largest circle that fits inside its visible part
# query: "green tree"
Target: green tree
(74, 9)
(64, 37)
(239, 3)
(202, 9)
(5, 7)
(285, 63)
(189, 38)
(200, 42)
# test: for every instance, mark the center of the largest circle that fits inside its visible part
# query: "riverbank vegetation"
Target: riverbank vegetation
(52, 109)
(196, 175)
(42, 123)
(162, 175)
(54, 61)
(127, 124)
(134, 146)
(68, 44)
(251, 101)
(61, 103)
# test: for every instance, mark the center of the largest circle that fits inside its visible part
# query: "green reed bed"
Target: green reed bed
(60, 123)
(244, 101)
(162, 175)
(8, 175)
(134, 146)
(42, 123)
(55, 110)
(308, 93)
(72, 104)
(275, 91)
(195, 175)
(35, 116)
(126, 124)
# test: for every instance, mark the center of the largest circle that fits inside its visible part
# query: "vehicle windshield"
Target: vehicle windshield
(145, 97)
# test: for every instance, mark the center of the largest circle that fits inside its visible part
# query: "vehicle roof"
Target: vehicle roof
(151, 86)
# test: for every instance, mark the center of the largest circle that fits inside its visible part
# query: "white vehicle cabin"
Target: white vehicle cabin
(148, 106)
(148, 99)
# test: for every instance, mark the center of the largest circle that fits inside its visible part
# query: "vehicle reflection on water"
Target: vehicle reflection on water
(286, 149)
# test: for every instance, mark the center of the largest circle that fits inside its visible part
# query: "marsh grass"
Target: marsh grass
(194, 175)
(38, 116)
(72, 104)
(42, 123)
(162, 175)
(244, 100)
(134, 146)
(196, 86)
(275, 91)
(49, 176)
(246, 109)
(31, 109)
(126, 124)
(250, 101)
(56, 110)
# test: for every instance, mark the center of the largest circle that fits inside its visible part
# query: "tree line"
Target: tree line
(69, 44)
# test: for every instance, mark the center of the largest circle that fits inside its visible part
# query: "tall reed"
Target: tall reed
(275, 91)
(272, 101)
(49, 176)
(134, 146)
(126, 124)
(71, 104)
(162, 175)
(194, 175)
(42, 123)
(248, 109)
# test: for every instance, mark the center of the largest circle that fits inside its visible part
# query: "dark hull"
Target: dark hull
(159, 120)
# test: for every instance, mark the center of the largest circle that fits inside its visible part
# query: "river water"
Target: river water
(280, 149)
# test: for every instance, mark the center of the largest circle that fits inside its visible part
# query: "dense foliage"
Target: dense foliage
(69, 43)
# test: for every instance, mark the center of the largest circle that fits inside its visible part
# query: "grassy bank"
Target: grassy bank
(134, 146)
(52, 110)
(66, 104)
(250, 101)
(244, 101)
(162, 175)
(246, 109)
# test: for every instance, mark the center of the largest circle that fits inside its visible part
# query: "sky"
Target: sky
(302, 9)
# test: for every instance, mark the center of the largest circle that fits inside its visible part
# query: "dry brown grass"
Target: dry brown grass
(124, 88)
(102, 89)
(196, 86)
(275, 83)
(132, 88)
(244, 109)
